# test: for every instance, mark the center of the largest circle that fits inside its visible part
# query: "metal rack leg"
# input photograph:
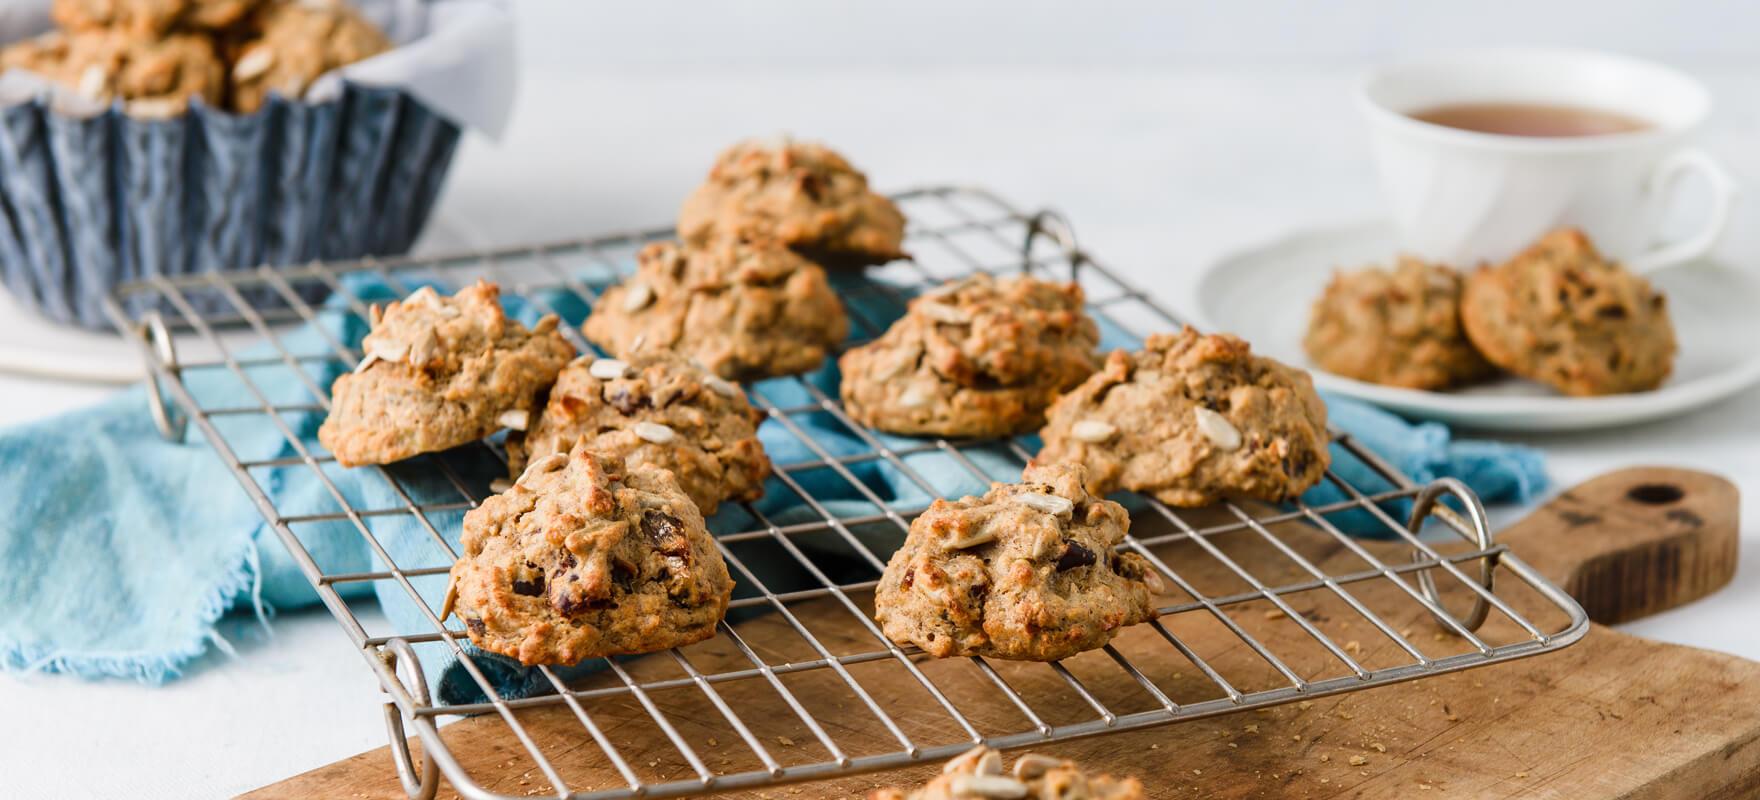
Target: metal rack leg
(398, 651)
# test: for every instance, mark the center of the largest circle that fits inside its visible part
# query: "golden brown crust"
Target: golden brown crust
(149, 18)
(1192, 419)
(1560, 314)
(582, 559)
(655, 410)
(291, 44)
(979, 774)
(439, 372)
(157, 77)
(744, 310)
(977, 357)
(1028, 572)
(1398, 327)
(802, 194)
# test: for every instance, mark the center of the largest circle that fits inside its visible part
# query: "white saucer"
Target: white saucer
(1263, 293)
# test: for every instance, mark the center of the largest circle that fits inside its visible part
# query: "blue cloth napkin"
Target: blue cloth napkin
(122, 550)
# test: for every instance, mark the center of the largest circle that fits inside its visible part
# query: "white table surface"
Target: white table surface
(1160, 170)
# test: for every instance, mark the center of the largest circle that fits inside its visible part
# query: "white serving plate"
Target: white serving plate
(1263, 293)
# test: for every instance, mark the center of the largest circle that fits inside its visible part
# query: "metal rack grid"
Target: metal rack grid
(954, 231)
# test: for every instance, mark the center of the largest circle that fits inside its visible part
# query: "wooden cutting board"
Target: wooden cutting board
(1612, 716)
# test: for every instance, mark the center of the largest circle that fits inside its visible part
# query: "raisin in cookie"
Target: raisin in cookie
(149, 18)
(584, 558)
(155, 77)
(1400, 328)
(978, 357)
(978, 774)
(292, 44)
(1560, 314)
(1192, 419)
(743, 310)
(440, 372)
(1026, 572)
(801, 194)
(656, 409)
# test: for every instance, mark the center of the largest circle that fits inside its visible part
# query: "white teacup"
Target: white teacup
(1463, 197)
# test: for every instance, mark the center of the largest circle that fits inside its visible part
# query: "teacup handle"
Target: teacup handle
(1723, 194)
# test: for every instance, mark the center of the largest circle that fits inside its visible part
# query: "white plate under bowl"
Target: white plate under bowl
(1263, 294)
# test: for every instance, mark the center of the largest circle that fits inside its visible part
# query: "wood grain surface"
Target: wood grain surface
(1612, 716)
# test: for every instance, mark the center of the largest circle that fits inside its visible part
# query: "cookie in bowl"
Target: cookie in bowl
(655, 409)
(440, 372)
(801, 194)
(1561, 314)
(155, 77)
(148, 18)
(1192, 419)
(977, 357)
(1398, 327)
(744, 310)
(288, 45)
(978, 774)
(586, 557)
(1027, 572)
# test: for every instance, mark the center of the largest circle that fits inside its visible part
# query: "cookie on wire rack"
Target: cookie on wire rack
(801, 194)
(1027, 572)
(583, 558)
(977, 357)
(743, 309)
(656, 409)
(440, 372)
(978, 774)
(1192, 419)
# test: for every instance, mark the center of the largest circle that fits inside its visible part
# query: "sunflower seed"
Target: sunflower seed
(914, 397)
(388, 350)
(1152, 579)
(546, 323)
(654, 432)
(425, 348)
(365, 363)
(451, 599)
(425, 296)
(500, 485)
(722, 387)
(375, 313)
(253, 63)
(989, 787)
(1048, 503)
(549, 463)
(990, 764)
(942, 312)
(638, 297)
(972, 539)
(1093, 431)
(606, 369)
(515, 418)
(965, 762)
(1217, 429)
(94, 83)
(1032, 765)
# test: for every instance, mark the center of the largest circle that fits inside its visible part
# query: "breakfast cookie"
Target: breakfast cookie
(292, 44)
(743, 310)
(155, 77)
(656, 409)
(799, 193)
(149, 18)
(585, 557)
(440, 372)
(1192, 419)
(1560, 314)
(1399, 328)
(978, 774)
(1027, 572)
(976, 357)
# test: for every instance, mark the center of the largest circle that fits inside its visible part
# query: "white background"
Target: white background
(1169, 133)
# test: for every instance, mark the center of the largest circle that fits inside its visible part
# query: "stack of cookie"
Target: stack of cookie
(157, 56)
(1557, 313)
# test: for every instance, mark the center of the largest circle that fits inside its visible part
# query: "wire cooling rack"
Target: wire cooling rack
(1235, 568)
